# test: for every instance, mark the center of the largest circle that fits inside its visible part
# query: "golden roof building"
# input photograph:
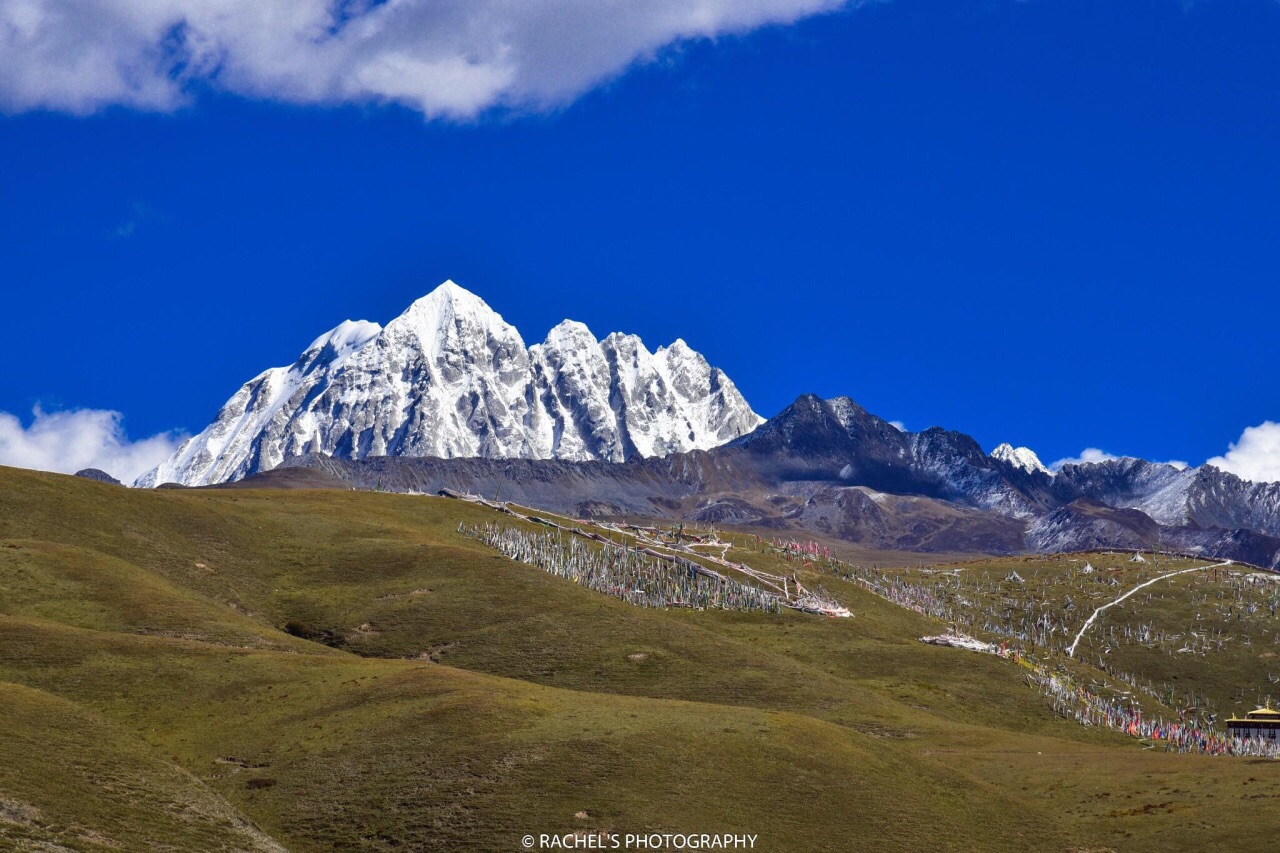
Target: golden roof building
(1262, 722)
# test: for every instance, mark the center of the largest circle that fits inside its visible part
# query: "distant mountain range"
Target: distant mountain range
(448, 396)
(831, 467)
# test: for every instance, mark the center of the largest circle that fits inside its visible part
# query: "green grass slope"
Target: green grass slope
(1208, 639)
(451, 699)
(332, 750)
(69, 780)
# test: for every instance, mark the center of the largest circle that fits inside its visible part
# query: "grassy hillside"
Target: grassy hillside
(1204, 639)
(429, 694)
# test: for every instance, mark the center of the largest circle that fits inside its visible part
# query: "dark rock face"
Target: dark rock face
(835, 441)
(728, 510)
(907, 523)
(1221, 499)
(96, 474)
(831, 467)
(1086, 525)
(1114, 480)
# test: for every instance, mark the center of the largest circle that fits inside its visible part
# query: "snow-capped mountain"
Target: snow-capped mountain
(1022, 458)
(450, 378)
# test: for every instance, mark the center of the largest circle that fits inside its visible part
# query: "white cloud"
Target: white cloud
(82, 438)
(898, 425)
(1255, 456)
(451, 58)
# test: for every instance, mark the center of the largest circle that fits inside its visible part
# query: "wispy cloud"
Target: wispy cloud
(139, 213)
(451, 58)
(1255, 456)
(71, 440)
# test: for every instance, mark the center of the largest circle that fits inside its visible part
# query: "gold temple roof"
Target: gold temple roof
(1263, 714)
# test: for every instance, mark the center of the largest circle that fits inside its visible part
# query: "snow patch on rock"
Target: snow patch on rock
(1023, 458)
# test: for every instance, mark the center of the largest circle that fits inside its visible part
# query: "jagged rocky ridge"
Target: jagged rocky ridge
(831, 467)
(450, 378)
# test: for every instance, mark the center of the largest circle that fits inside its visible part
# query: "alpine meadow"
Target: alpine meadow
(752, 425)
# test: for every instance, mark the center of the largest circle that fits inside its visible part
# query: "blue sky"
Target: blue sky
(1053, 223)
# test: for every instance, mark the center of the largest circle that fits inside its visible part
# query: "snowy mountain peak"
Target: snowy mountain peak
(1023, 458)
(347, 336)
(625, 342)
(451, 317)
(569, 333)
(450, 296)
(450, 378)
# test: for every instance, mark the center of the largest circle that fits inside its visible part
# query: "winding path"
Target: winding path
(1071, 652)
